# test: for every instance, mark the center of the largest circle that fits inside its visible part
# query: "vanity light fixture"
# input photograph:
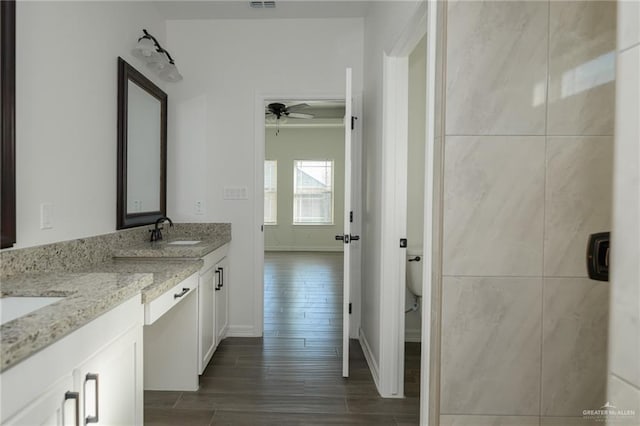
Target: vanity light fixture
(158, 59)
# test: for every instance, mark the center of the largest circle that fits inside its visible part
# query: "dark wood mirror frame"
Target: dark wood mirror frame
(127, 73)
(8, 123)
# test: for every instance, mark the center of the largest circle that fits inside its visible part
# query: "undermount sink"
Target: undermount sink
(183, 243)
(15, 307)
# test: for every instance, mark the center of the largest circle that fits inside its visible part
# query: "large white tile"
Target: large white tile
(577, 200)
(624, 397)
(491, 337)
(624, 354)
(574, 345)
(493, 205)
(628, 23)
(496, 67)
(582, 43)
(448, 420)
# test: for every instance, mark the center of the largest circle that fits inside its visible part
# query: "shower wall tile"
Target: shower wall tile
(491, 346)
(624, 397)
(574, 345)
(496, 67)
(628, 28)
(582, 43)
(578, 200)
(624, 336)
(448, 420)
(493, 205)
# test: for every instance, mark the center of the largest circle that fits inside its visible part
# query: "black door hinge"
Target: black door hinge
(349, 307)
(353, 122)
(403, 243)
(351, 217)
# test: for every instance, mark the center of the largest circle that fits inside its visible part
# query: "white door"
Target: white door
(347, 237)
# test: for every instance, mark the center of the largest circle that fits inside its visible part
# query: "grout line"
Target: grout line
(625, 381)
(628, 48)
(544, 211)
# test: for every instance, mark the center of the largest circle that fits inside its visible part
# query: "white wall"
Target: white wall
(415, 170)
(383, 26)
(226, 65)
(624, 316)
(66, 112)
(305, 144)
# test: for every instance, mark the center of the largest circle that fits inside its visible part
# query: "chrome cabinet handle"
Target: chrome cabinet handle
(76, 397)
(182, 293)
(91, 378)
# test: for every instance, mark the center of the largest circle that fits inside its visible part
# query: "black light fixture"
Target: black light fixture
(156, 57)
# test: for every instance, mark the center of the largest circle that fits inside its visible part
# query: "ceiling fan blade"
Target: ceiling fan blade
(299, 115)
(297, 106)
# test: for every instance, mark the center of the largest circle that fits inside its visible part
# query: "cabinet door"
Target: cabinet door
(57, 406)
(222, 300)
(206, 320)
(110, 383)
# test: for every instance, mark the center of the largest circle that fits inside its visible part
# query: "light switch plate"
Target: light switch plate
(236, 193)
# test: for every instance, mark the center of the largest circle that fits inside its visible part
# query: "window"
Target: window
(312, 192)
(270, 192)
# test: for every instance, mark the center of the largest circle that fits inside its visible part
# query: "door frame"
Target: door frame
(356, 193)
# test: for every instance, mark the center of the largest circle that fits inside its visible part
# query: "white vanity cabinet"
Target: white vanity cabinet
(212, 305)
(222, 299)
(91, 376)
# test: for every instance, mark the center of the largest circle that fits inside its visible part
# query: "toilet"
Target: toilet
(414, 272)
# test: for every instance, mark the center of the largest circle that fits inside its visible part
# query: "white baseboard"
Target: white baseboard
(242, 331)
(373, 365)
(413, 335)
(303, 248)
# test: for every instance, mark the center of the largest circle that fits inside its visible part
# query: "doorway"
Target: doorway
(302, 159)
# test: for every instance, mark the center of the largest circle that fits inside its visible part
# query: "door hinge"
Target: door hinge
(403, 243)
(349, 307)
(353, 122)
(351, 216)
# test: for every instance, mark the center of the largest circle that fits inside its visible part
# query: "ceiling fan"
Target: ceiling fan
(279, 110)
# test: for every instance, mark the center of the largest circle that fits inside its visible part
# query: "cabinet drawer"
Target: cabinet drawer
(158, 307)
(214, 257)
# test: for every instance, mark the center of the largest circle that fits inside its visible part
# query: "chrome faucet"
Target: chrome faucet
(156, 232)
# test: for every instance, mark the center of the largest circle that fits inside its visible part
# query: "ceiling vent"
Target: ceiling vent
(269, 4)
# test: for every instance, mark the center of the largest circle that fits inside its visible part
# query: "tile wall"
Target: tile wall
(624, 320)
(530, 89)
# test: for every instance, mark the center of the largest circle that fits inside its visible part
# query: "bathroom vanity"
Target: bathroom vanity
(130, 322)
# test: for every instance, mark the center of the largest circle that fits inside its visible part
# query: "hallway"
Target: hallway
(291, 376)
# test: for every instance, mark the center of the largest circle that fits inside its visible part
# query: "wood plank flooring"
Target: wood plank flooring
(291, 376)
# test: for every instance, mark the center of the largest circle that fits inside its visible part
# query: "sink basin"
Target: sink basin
(15, 307)
(183, 243)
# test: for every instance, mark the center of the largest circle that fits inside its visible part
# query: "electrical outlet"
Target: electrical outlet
(199, 207)
(137, 205)
(46, 216)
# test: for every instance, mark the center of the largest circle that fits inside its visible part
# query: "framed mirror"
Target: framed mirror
(142, 149)
(8, 123)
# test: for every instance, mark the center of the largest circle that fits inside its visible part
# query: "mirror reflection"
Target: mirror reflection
(143, 151)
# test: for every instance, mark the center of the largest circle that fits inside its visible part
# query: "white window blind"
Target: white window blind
(270, 192)
(313, 192)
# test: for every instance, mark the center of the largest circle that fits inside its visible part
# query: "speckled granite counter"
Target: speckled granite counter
(166, 249)
(84, 272)
(86, 297)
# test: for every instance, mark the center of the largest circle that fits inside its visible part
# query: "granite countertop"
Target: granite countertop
(166, 249)
(86, 296)
(88, 293)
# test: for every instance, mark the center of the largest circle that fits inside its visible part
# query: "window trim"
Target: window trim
(264, 222)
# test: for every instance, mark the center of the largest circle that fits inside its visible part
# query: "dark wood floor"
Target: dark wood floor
(291, 376)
